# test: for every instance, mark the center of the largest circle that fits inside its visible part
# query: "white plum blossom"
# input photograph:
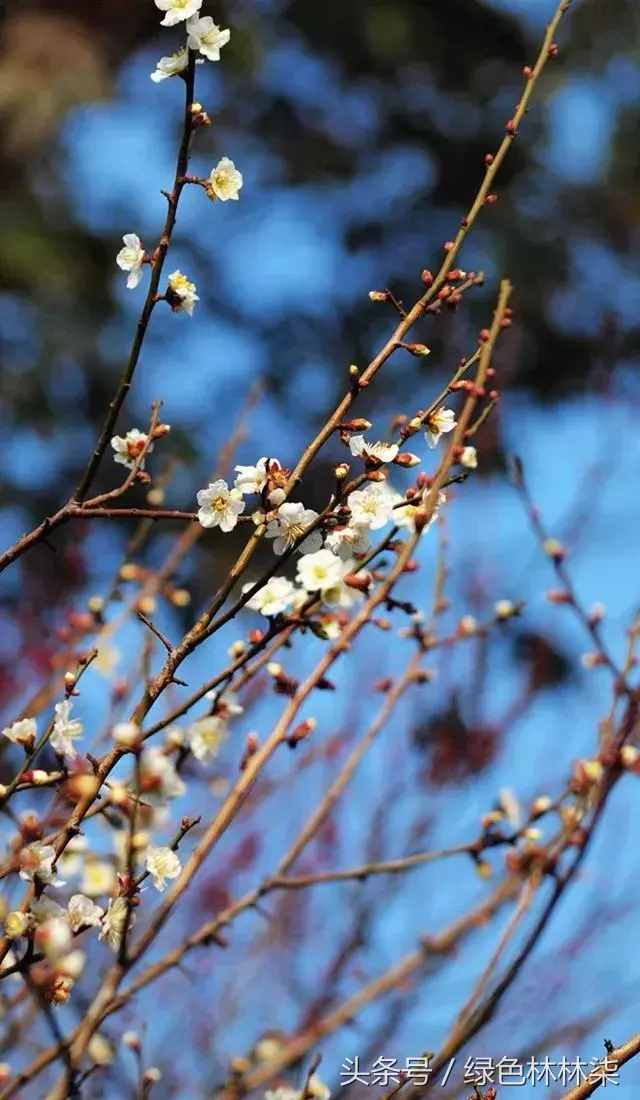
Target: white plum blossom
(131, 258)
(252, 479)
(225, 181)
(182, 293)
(162, 864)
(53, 937)
(379, 452)
(372, 506)
(46, 909)
(114, 922)
(290, 524)
(98, 878)
(469, 458)
(404, 514)
(219, 506)
(227, 706)
(205, 36)
(274, 598)
(321, 571)
(438, 424)
(347, 541)
(206, 736)
(83, 913)
(36, 861)
(65, 730)
(177, 10)
(172, 65)
(23, 732)
(128, 448)
(16, 924)
(160, 779)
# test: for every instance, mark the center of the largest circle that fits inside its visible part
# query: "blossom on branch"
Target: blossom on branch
(159, 778)
(172, 65)
(65, 730)
(177, 10)
(274, 598)
(128, 448)
(206, 736)
(83, 913)
(162, 864)
(290, 524)
(115, 920)
(469, 458)
(372, 506)
(376, 452)
(131, 257)
(438, 424)
(252, 479)
(181, 293)
(225, 181)
(23, 732)
(321, 571)
(36, 862)
(219, 506)
(204, 35)
(348, 541)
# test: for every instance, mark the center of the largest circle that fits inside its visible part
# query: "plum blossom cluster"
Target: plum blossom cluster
(206, 39)
(331, 546)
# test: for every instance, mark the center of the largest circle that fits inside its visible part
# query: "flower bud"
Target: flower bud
(407, 459)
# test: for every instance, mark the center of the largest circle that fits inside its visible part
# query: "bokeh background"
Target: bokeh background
(360, 129)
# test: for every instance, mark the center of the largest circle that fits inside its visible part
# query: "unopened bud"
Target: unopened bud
(554, 549)
(302, 731)
(360, 581)
(126, 734)
(407, 459)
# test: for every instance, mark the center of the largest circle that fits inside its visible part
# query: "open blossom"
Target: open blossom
(128, 448)
(98, 878)
(53, 937)
(372, 506)
(83, 913)
(205, 36)
(178, 10)
(162, 864)
(252, 479)
(225, 181)
(16, 924)
(274, 598)
(114, 922)
(404, 515)
(130, 258)
(181, 293)
(22, 732)
(65, 730)
(206, 736)
(438, 424)
(160, 779)
(172, 65)
(321, 571)
(378, 452)
(219, 506)
(36, 861)
(347, 541)
(290, 524)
